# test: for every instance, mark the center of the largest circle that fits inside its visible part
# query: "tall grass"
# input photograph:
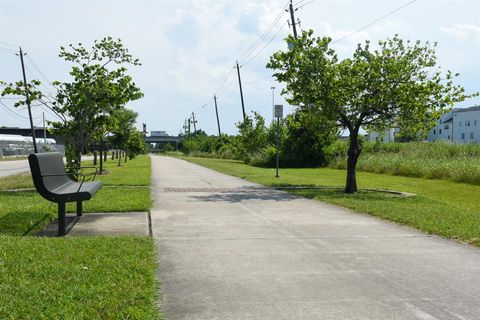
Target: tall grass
(439, 160)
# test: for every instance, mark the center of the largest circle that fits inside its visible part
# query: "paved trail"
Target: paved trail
(230, 249)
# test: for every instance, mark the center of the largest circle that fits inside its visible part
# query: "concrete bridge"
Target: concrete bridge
(161, 141)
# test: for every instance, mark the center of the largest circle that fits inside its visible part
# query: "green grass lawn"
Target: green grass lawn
(440, 207)
(77, 278)
(81, 277)
(25, 211)
(134, 172)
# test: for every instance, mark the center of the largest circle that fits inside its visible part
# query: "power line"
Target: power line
(220, 88)
(15, 113)
(232, 79)
(10, 44)
(303, 5)
(5, 50)
(229, 74)
(263, 36)
(375, 21)
(266, 45)
(39, 71)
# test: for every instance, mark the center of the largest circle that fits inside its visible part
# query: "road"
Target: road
(231, 249)
(18, 166)
(13, 166)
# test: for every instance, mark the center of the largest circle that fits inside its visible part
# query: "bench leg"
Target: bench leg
(79, 208)
(61, 219)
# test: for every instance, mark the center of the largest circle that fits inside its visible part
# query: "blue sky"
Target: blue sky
(188, 48)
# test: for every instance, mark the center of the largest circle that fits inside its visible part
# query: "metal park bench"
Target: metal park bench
(54, 184)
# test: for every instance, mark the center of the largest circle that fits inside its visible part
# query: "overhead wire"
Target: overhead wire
(7, 51)
(255, 45)
(39, 71)
(15, 113)
(303, 5)
(10, 44)
(266, 45)
(375, 21)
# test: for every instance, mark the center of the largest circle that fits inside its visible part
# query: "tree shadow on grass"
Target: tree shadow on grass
(339, 194)
(22, 212)
(22, 223)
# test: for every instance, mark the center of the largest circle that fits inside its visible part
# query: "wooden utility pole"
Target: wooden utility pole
(216, 112)
(194, 123)
(189, 120)
(28, 103)
(292, 18)
(241, 92)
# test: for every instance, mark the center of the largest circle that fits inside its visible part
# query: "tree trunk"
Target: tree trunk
(101, 156)
(354, 150)
(94, 158)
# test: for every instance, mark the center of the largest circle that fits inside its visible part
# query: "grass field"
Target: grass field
(77, 278)
(439, 160)
(125, 188)
(82, 277)
(440, 207)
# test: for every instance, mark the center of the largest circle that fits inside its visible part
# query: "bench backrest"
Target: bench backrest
(45, 164)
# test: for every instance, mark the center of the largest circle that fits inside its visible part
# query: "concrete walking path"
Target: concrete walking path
(231, 249)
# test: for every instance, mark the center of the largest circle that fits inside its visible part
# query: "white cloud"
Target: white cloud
(463, 32)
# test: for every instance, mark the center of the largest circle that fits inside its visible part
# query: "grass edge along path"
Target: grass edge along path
(76, 278)
(440, 207)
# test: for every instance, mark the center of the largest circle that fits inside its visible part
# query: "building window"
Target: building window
(468, 123)
(439, 131)
(463, 135)
(448, 137)
(471, 135)
(434, 131)
(446, 127)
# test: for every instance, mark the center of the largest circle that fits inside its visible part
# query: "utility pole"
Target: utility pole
(241, 92)
(185, 126)
(218, 121)
(44, 131)
(292, 18)
(273, 103)
(194, 123)
(28, 103)
(189, 126)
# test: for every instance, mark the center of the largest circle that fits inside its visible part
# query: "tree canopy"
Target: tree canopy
(396, 84)
(100, 86)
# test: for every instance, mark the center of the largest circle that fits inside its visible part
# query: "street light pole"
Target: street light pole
(273, 103)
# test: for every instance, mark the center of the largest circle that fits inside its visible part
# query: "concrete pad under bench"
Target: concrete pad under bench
(103, 224)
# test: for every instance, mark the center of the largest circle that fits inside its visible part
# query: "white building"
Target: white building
(387, 136)
(458, 125)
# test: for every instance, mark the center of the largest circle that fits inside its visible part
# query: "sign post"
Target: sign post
(278, 115)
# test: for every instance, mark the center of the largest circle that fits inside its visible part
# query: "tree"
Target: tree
(136, 144)
(98, 89)
(398, 84)
(307, 136)
(123, 127)
(252, 136)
